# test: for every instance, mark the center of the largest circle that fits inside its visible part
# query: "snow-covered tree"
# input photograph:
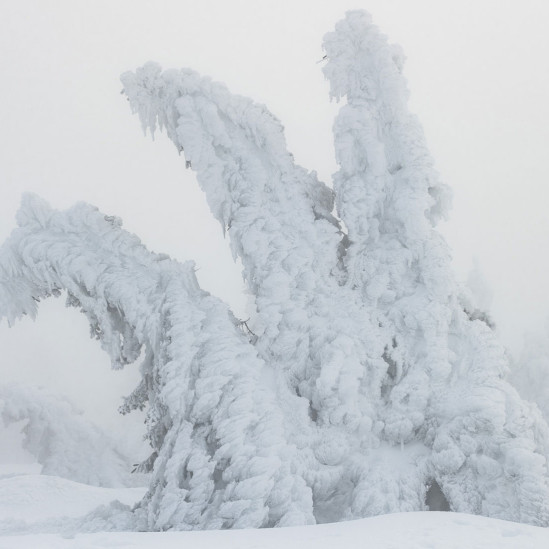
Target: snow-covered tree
(220, 456)
(476, 296)
(365, 387)
(530, 373)
(59, 437)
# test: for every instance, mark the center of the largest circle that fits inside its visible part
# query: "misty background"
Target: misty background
(479, 81)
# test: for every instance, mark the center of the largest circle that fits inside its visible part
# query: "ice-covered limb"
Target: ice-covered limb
(279, 220)
(236, 146)
(387, 191)
(376, 138)
(384, 192)
(223, 457)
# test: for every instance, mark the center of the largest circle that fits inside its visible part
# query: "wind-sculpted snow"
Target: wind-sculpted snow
(389, 197)
(220, 455)
(279, 221)
(364, 387)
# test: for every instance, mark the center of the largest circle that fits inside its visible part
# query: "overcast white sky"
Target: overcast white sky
(479, 78)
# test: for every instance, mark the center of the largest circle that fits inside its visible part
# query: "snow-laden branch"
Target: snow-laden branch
(384, 193)
(279, 221)
(387, 191)
(222, 459)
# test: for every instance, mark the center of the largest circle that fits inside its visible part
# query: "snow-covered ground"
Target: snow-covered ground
(35, 498)
(41, 499)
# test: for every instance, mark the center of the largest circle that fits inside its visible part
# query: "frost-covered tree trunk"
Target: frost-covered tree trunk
(366, 388)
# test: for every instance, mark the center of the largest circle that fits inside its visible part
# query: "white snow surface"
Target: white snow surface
(37, 498)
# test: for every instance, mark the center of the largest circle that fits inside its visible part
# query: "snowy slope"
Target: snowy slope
(40, 497)
(399, 531)
(37, 497)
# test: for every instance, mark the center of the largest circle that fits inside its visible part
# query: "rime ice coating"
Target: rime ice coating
(220, 455)
(366, 388)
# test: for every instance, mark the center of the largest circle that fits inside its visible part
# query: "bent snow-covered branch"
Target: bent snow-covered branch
(222, 457)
